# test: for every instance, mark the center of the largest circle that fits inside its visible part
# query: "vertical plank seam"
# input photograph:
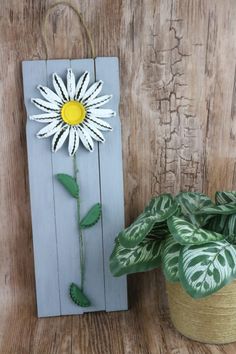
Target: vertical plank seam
(100, 188)
(55, 222)
(84, 239)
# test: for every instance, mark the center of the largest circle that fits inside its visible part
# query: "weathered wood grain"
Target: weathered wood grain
(178, 120)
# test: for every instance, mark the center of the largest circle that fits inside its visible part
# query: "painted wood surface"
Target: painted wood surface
(100, 180)
(167, 49)
(110, 158)
(42, 200)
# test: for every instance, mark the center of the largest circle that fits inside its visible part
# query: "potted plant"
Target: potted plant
(194, 241)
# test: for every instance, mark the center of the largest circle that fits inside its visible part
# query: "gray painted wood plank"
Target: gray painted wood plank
(111, 179)
(65, 209)
(41, 196)
(88, 163)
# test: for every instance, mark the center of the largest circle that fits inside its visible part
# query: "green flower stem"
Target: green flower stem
(81, 241)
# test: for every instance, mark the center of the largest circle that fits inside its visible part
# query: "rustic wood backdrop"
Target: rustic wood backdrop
(178, 112)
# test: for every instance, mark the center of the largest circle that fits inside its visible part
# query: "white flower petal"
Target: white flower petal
(93, 131)
(59, 138)
(85, 138)
(99, 123)
(73, 141)
(92, 92)
(49, 95)
(71, 84)
(50, 129)
(45, 106)
(82, 85)
(102, 112)
(97, 102)
(45, 117)
(60, 87)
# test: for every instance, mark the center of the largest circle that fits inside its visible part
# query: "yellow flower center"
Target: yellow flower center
(73, 112)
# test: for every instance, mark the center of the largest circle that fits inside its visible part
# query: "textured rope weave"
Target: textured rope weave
(210, 320)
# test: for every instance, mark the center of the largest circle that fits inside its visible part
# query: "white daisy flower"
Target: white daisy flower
(73, 112)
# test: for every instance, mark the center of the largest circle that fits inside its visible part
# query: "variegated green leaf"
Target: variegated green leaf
(136, 232)
(187, 234)
(162, 207)
(225, 197)
(217, 223)
(190, 203)
(145, 256)
(224, 209)
(204, 269)
(158, 210)
(170, 259)
(224, 224)
(160, 230)
(230, 229)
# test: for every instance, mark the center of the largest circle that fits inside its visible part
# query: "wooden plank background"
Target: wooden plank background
(178, 112)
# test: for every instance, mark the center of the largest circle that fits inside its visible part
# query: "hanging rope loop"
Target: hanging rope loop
(80, 17)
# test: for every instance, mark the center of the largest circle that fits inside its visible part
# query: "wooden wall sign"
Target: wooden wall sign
(55, 232)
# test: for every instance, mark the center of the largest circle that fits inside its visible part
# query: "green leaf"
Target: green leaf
(162, 207)
(78, 297)
(92, 217)
(217, 223)
(190, 203)
(170, 259)
(69, 183)
(187, 234)
(224, 224)
(204, 269)
(224, 209)
(225, 197)
(158, 210)
(230, 229)
(136, 232)
(160, 230)
(144, 256)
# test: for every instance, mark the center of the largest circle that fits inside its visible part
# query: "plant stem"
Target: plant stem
(81, 241)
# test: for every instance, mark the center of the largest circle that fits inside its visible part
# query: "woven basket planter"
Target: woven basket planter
(209, 320)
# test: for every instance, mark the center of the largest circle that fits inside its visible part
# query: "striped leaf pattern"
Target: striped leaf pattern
(158, 210)
(170, 259)
(190, 203)
(187, 234)
(160, 230)
(230, 229)
(162, 207)
(225, 197)
(226, 225)
(222, 209)
(204, 269)
(217, 223)
(137, 231)
(144, 256)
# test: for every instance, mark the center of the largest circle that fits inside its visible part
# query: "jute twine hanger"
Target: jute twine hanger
(80, 17)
